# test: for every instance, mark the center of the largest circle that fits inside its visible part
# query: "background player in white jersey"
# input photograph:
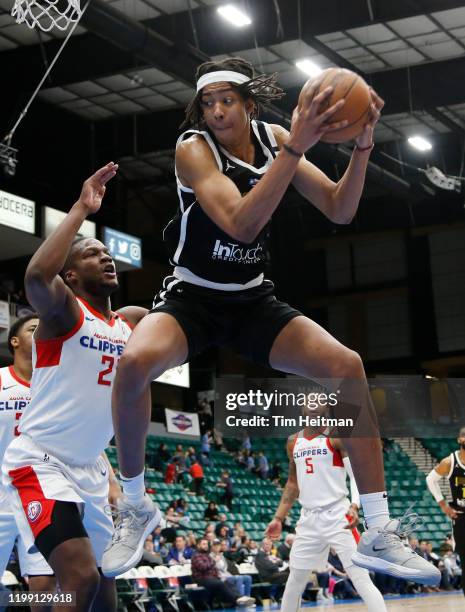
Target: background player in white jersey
(318, 467)
(15, 395)
(56, 476)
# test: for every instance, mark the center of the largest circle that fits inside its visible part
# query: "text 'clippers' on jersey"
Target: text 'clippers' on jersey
(70, 414)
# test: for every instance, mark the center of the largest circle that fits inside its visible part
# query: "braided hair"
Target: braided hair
(261, 89)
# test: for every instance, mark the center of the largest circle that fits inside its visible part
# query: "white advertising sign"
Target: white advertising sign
(53, 217)
(182, 423)
(4, 315)
(17, 212)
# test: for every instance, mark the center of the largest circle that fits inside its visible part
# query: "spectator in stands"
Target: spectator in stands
(268, 564)
(210, 528)
(150, 556)
(157, 539)
(180, 455)
(224, 534)
(205, 574)
(275, 473)
(453, 569)
(435, 558)
(238, 534)
(243, 550)
(246, 443)
(284, 549)
(240, 457)
(253, 547)
(227, 485)
(211, 512)
(228, 571)
(263, 467)
(191, 540)
(206, 441)
(413, 542)
(218, 439)
(173, 522)
(161, 457)
(180, 506)
(180, 553)
(424, 552)
(191, 456)
(196, 471)
(250, 461)
(171, 471)
(223, 523)
(205, 415)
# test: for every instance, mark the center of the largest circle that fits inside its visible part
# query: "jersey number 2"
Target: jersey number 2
(309, 464)
(111, 362)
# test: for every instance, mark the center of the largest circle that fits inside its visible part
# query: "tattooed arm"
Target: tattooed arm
(290, 494)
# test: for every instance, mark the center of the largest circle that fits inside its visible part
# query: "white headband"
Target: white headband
(221, 75)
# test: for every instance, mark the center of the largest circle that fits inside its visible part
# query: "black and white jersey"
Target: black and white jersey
(202, 253)
(457, 482)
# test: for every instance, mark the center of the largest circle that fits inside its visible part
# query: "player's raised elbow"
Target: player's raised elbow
(34, 274)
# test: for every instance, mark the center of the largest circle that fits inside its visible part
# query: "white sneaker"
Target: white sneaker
(382, 550)
(133, 525)
(245, 601)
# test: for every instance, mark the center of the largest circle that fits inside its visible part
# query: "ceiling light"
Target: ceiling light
(310, 68)
(234, 15)
(420, 143)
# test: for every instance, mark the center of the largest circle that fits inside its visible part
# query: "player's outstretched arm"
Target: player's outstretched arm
(45, 289)
(433, 479)
(337, 201)
(288, 497)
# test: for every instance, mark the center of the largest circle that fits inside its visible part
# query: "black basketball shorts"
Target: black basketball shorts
(246, 321)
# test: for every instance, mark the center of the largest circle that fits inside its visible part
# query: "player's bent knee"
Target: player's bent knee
(85, 580)
(137, 366)
(347, 364)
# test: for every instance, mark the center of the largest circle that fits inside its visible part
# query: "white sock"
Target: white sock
(375, 509)
(134, 488)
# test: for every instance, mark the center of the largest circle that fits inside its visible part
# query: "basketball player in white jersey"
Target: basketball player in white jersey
(232, 172)
(318, 467)
(15, 395)
(56, 476)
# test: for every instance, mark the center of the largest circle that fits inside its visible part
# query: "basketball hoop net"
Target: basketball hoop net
(47, 14)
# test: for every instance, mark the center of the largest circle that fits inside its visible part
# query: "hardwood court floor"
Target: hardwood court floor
(445, 603)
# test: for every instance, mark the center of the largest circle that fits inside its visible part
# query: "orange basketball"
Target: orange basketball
(350, 86)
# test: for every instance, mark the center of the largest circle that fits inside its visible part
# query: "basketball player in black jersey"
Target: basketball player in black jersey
(453, 468)
(232, 172)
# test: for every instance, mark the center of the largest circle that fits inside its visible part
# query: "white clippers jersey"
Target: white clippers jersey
(321, 474)
(70, 413)
(15, 395)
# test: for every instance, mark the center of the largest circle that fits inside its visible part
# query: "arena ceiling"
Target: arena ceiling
(128, 72)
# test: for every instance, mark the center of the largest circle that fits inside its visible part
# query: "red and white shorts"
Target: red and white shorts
(30, 564)
(319, 529)
(35, 480)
